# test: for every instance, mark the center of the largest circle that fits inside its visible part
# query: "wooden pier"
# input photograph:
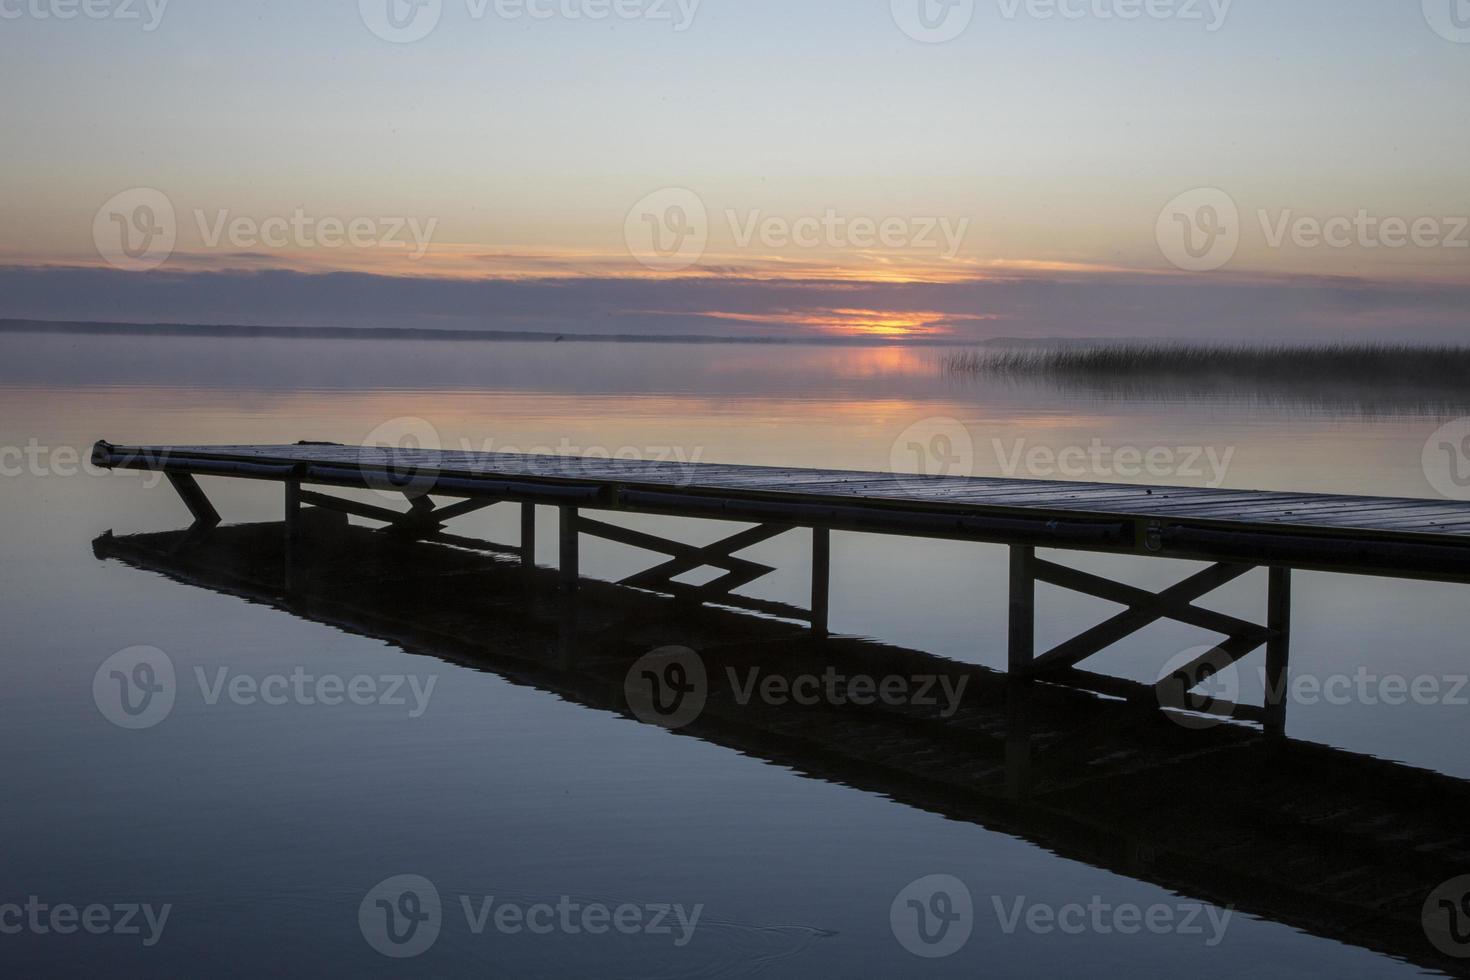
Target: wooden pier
(1234, 531)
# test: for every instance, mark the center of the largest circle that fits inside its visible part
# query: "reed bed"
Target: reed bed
(1370, 378)
(1353, 363)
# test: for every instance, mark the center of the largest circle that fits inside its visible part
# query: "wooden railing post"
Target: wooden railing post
(821, 580)
(528, 535)
(570, 562)
(1278, 650)
(1021, 636)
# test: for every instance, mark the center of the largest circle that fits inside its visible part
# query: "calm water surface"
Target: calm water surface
(264, 826)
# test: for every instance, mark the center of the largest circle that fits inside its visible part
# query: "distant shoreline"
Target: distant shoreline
(96, 328)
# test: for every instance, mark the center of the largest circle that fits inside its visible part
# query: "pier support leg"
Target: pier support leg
(821, 581)
(570, 570)
(1022, 633)
(1278, 650)
(1018, 742)
(293, 511)
(293, 534)
(528, 535)
(199, 506)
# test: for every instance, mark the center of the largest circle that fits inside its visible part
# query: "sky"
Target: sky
(965, 168)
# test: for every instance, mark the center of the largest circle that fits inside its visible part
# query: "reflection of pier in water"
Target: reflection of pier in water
(1335, 844)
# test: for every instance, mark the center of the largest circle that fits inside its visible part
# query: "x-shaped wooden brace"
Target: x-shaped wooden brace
(422, 521)
(1144, 608)
(685, 558)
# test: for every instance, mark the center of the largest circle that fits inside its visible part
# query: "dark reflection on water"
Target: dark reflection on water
(1335, 844)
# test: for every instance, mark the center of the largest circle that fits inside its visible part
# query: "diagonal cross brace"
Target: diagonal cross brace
(1144, 609)
(686, 558)
(421, 518)
(1176, 603)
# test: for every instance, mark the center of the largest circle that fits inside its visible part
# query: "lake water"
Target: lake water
(264, 828)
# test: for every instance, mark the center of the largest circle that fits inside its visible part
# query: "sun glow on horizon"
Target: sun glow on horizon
(860, 322)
